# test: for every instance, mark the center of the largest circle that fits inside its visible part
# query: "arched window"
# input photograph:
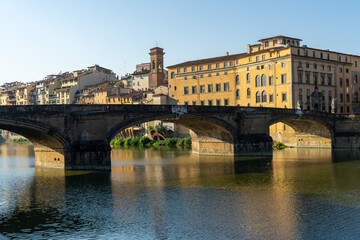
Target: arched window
(300, 95)
(159, 65)
(257, 81)
(153, 64)
(263, 96)
(238, 93)
(248, 93)
(237, 79)
(248, 78)
(263, 80)
(257, 97)
(172, 75)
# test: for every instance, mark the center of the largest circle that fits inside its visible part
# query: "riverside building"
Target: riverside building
(278, 72)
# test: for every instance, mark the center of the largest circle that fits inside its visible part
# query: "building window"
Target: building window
(226, 102)
(340, 82)
(186, 90)
(328, 56)
(237, 79)
(185, 70)
(257, 97)
(225, 73)
(201, 76)
(210, 102)
(193, 89)
(275, 42)
(263, 80)
(186, 103)
(341, 97)
(329, 68)
(345, 59)
(282, 64)
(267, 44)
(340, 70)
(283, 78)
(248, 93)
(209, 66)
(217, 65)
(308, 95)
(306, 53)
(263, 96)
(218, 102)
(315, 66)
(314, 54)
(300, 95)
(202, 102)
(209, 75)
(193, 102)
(347, 70)
(193, 69)
(263, 57)
(248, 78)
(355, 63)
(322, 67)
(210, 88)
(321, 55)
(339, 58)
(202, 88)
(307, 65)
(231, 63)
(284, 97)
(271, 80)
(250, 59)
(262, 67)
(172, 75)
(185, 78)
(218, 87)
(238, 93)
(257, 81)
(217, 74)
(329, 80)
(225, 64)
(178, 70)
(271, 98)
(347, 82)
(322, 80)
(201, 68)
(300, 78)
(270, 67)
(257, 58)
(347, 97)
(226, 87)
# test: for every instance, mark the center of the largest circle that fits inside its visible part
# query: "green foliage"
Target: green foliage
(160, 128)
(144, 140)
(19, 140)
(279, 146)
(150, 128)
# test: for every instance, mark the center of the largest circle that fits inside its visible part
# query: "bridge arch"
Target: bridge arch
(49, 145)
(307, 131)
(209, 134)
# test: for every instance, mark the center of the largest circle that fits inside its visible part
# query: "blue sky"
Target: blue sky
(42, 37)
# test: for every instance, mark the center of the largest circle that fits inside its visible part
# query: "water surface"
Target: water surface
(173, 194)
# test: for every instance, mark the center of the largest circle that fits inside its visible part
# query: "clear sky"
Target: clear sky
(42, 37)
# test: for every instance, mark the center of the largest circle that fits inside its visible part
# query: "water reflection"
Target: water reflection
(160, 194)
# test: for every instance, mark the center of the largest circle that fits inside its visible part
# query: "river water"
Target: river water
(173, 194)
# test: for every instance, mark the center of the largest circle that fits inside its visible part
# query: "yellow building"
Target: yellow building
(277, 72)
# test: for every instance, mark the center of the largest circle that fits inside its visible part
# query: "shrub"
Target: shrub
(144, 140)
(187, 141)
(279, 146)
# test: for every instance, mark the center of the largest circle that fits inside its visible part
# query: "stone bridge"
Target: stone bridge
(78, 136)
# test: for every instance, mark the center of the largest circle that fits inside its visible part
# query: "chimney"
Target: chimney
(227, 53)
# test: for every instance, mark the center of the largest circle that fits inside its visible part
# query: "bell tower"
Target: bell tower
(157, 75)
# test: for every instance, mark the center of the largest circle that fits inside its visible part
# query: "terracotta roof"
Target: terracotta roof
(280, 36)
(223, 58)
(141, 72)
(62, 89)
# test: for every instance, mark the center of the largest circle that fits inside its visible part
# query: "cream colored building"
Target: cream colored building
(278, 72)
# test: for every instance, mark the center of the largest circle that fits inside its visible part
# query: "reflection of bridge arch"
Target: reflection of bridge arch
(209, 134)
(306, 131)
